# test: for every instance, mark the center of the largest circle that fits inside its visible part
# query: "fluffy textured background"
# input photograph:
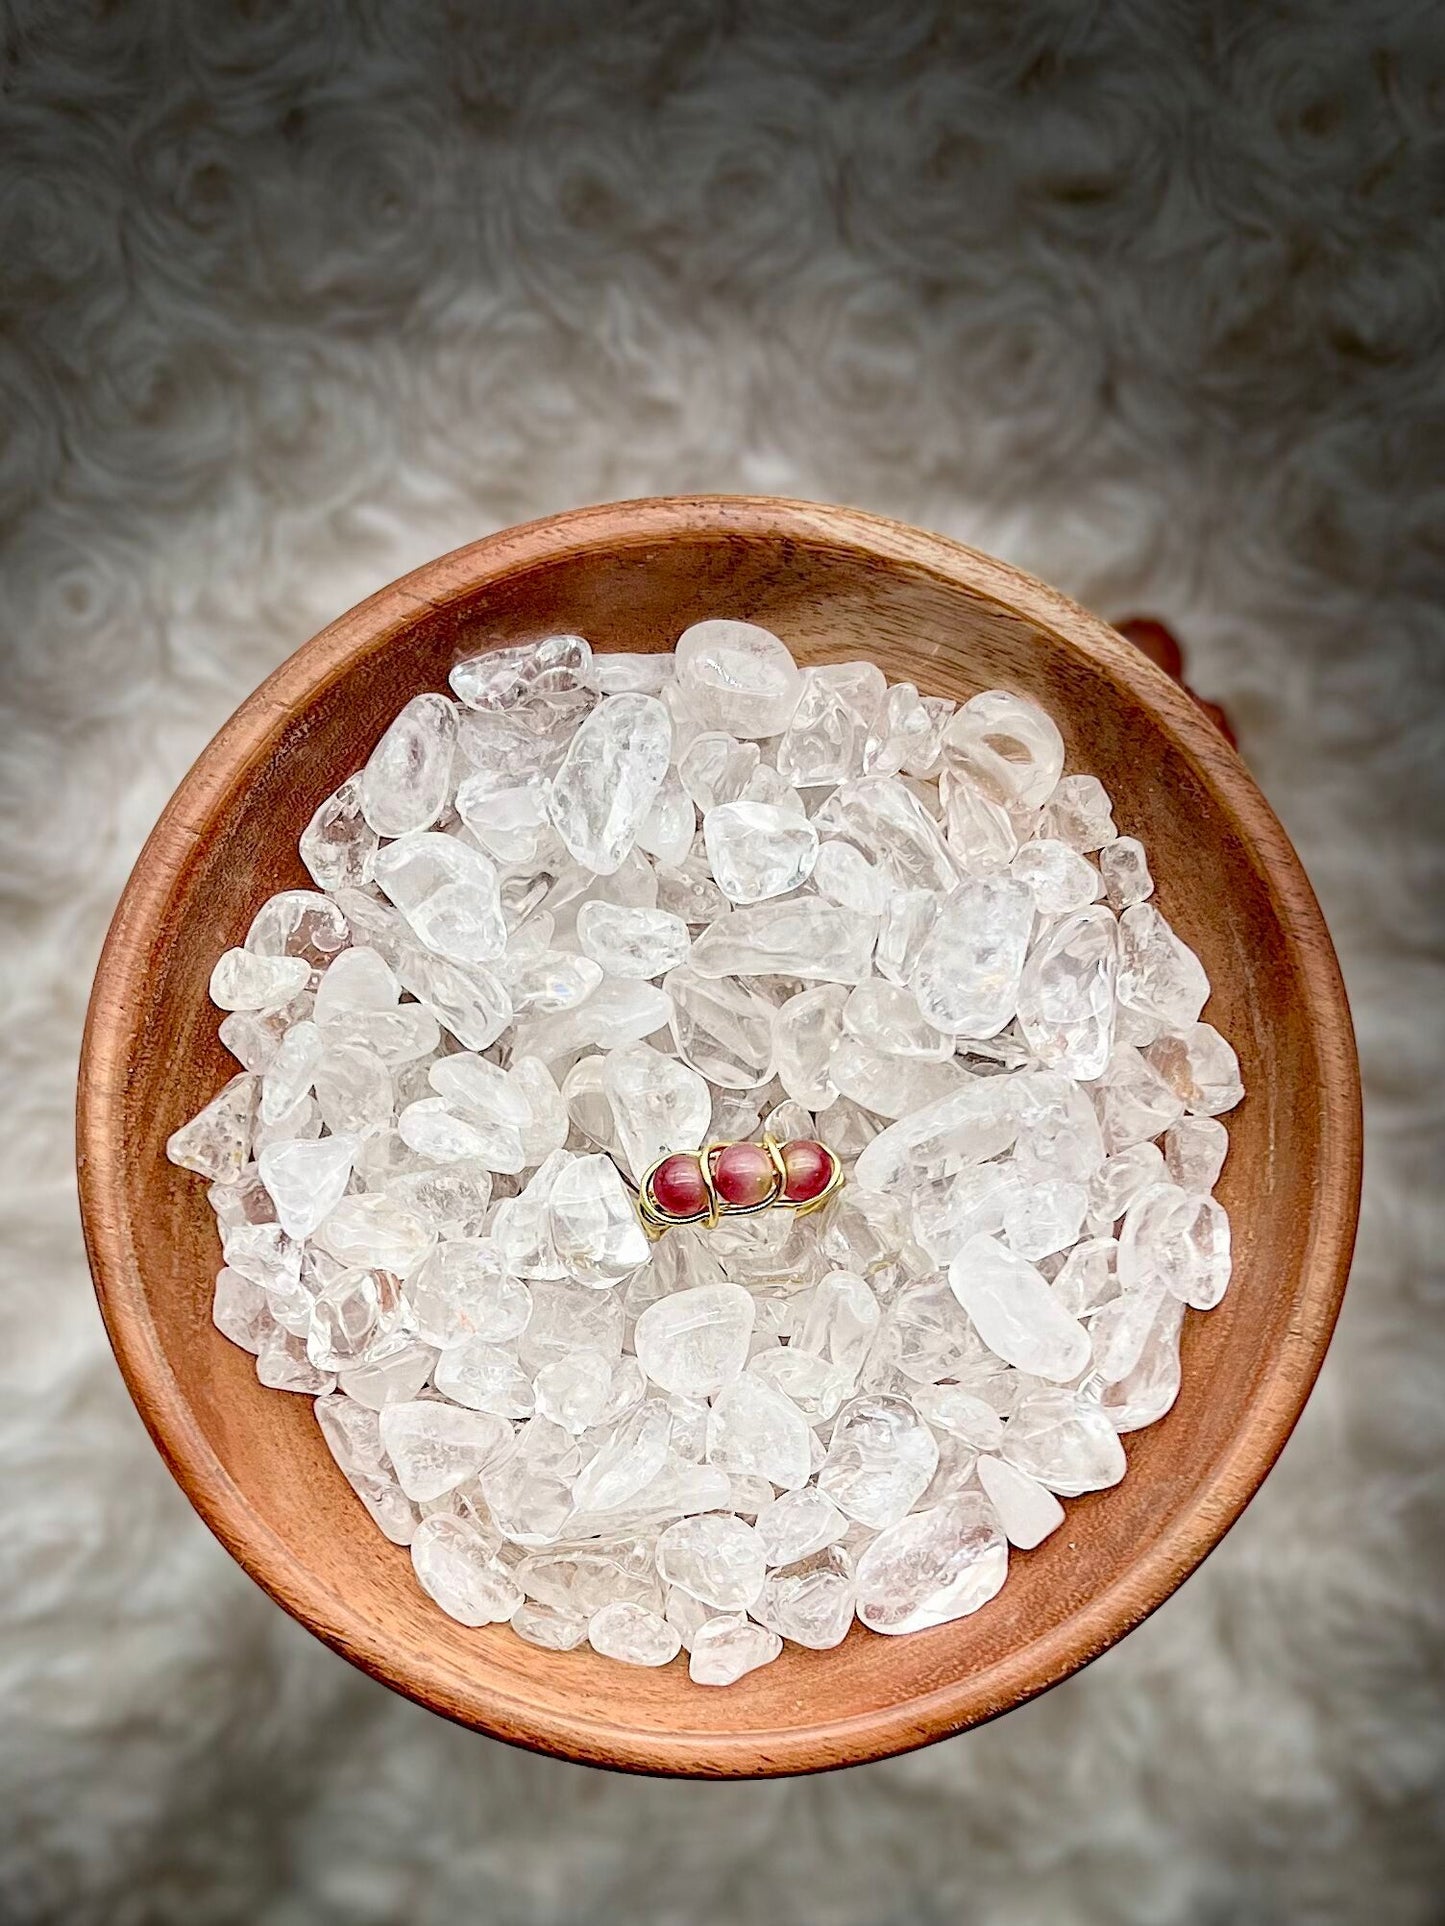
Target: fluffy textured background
(1147, 299)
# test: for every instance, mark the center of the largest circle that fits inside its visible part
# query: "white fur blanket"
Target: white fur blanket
(1147, 298)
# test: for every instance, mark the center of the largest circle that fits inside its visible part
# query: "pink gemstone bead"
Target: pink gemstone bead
(743, 1175)
(677, 1186)
(808, 1166)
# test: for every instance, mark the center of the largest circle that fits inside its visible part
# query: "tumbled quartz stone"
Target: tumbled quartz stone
(721, 1027)
(810, 1602)
(1200, 1068)
(1079, 813)
(485, 1377)
(886, 1017)
(1125, 870)
(375, 1233)
(797, 1524)
(1143, 1394)
(806, 1030)
(659, 1105)
(978, 1121)
(1133, 1101)
(1178, 1240)
(433, 1129)
(448, 892)
(725, 1648)
(757, 850)
(828, 734)
(631, 1459)
(632, 942)
(282, 1364)
(1159, 975)
(632, 1634)
(289, 1074)
(435, 1446)
(472, 1001)
(932, 1567)
(716, 768)
(357, 1317)
(845, 876)
(584, 1577)
(981, 833)
(695, 1342)
(907, 733)
(545, 1626)
(307, 1179)
(757, 1432)
(1008, 746)
(1063, 1441)
(1120, 1179)
(840, 1322)
(738, 676)
(241, 1311)
(337, 845)
(1194, 1152)
(1026, 1510)
(1061, 879)
(715, 1558)
(802, 937)
(572, 1391)
(595, 1229)
(880, 1461)
(407, 779)
(217, 1141)
(609, 777)
(244, 980)
(505, 678)
(299, 922)
(969, 968)
(1015, 1312)
(890, 825)
(566, 1314)
(1040, 1219)
(393, 1379)
(456, 1565)
(902, 932)
(353, 1437)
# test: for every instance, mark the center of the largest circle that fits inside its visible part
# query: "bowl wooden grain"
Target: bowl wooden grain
(834, 583)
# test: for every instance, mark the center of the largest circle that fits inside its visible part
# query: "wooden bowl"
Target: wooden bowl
(834, 583)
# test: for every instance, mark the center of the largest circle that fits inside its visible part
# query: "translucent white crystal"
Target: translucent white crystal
(1200, 1068)
(739, 676)
(545, 1626)
(902, 932)
(1061, 880)
(289, 1074)
(715, 768)
(886, 1017)
(1194, 1151)
(632, 1634)
(241, 1311)
(805, 1031)
(283, 1364)
(1159, 975)
(407, 779)
(376, 1233)
(695, 1342)
(812, 1601)
(217, 1141)
(307, 1180)
(299, 922)
(506, 678)
(907, 734)
(797, 1524)
(1078, 813)
(1015, 1312)
(1143, 1394)
(1120, 1179)
(970, 965)
(572, 1391)
(456, 1565)
(1179, 1241)
(353, 1437)
(659, 1104)
(840, 1322)
(244, 980)
(1026, 1510)
(1009, 747)
(1065, 1442)
(1039, 1219)
(721, 1027)
(632, 942)
(880, 1461)
(670, 824)
(392, 1379)
(890, 825)
(757, 1432)
(804, 1378)
(757, 850)
(357, 980)
(631, 1459)
(1125, 870)
(1088, 1280)
(485, 1377)
(448, 892)
(595, 1229)
(609, 777)
(725, 1648)
(510, 825)
(954, 1411)
(1132, 1100)
(715, 1558)
(337, 845)
(932, 1567)
(978, 1121)
(803, 937)
(434, 1129)
(433, 1446)
(619, 1011)
(845, 876)
(357, 1317)
(828, 732)
(472, 1002)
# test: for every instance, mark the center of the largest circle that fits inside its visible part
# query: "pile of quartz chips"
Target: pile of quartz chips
(588, 910)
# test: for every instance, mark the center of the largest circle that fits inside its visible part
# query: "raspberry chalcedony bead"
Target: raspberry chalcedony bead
(678, 1186)
(744, 1176)
(807, 1170)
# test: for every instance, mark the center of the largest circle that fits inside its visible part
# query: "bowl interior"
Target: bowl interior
(834, 586)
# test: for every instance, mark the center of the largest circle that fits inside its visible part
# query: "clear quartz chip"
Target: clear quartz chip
(1200, 1068)
(1027, 1510)
(1159, 975)
(1063, 1441)
(757, 850)
(595, 1229)
(407, 779)
(244, 980)
(1194, 1152)
(217, 1141)
(1079, 813)
(827, 736)
(694, 1342)
(806, 1030)
(609, 779)
(1060, 878)
(307, 1179)
(434, 1446)
(659, 1104)
(632, 942)
(1009, 747)
(1125, 870)
(1015, 1312)
(756, 1431)
(715, 1558)
(716, 768)
(932, 1566)
(739, 676)
(729, 1646)
(337, 845)
(880, 1462)
(970, 966)
(803, 937)
(722, 1027)
(810, 1602)
(456, 1565)
(632, 1633)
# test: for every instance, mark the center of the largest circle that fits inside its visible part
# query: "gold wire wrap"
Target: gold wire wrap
(655, 1220)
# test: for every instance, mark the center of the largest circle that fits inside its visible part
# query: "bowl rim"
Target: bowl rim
(481, 1704)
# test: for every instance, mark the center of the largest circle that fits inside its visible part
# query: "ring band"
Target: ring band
(737, 1180)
